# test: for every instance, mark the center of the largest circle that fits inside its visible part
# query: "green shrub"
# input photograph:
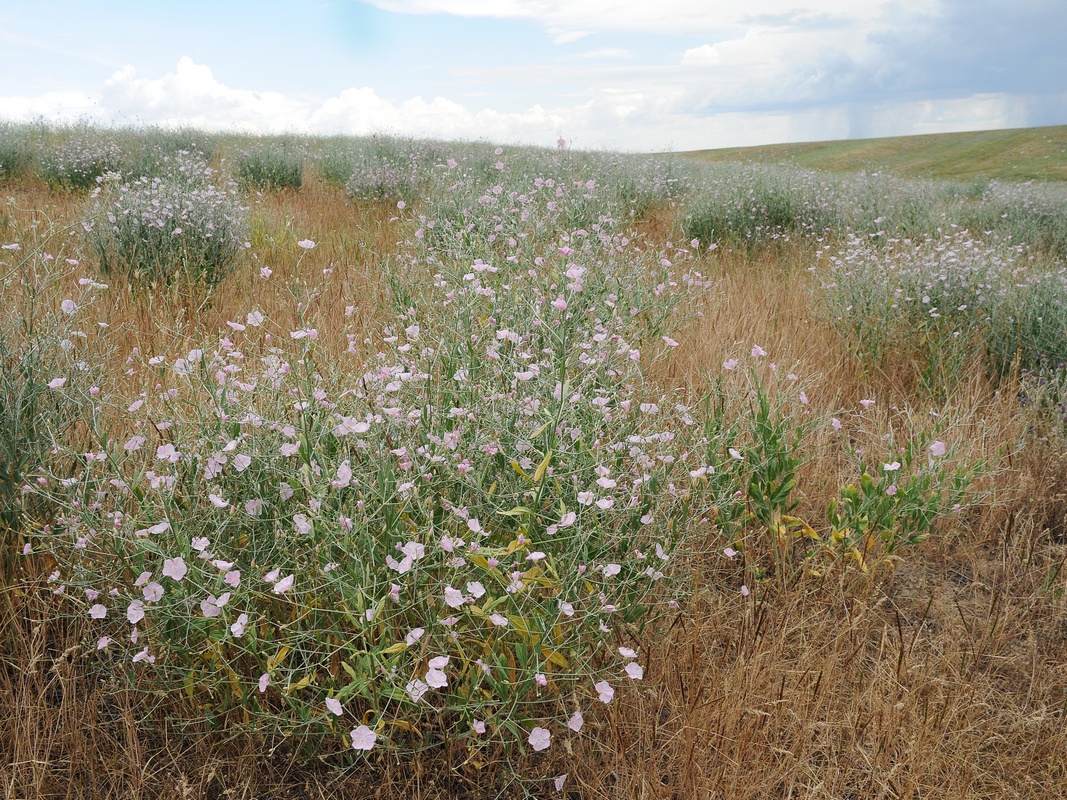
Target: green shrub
(269, 169)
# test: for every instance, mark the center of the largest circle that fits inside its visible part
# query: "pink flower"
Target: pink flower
(479, 726)
(866, 402)
(241, 462)
(264, 679)
(175, 569)
(758, 352)
(937, 449)
(729, 552)
(540, 739)
(57, 383)
(218, 501)
(284, 585)
(135, 612)
(635, 671)
(238, 627)
(334, 706)
(307, 244)
(152, 592)
(98, 611)
(560, 780)
(453, 597)
(416, 689)
(604, 691)
(499, 620)
(576, 721)
(363, 738)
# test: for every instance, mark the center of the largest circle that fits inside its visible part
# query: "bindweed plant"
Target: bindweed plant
(45, 372)
(156, 230)
(945, 298)
(465, 529)
(77, 163)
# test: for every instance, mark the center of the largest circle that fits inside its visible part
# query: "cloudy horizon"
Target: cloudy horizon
(675, 75)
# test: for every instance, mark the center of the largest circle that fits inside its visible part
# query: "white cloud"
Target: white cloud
(692, 105)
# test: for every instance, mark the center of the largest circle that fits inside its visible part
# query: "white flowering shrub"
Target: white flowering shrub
(76, 163)
(180, 225)
(927, 295)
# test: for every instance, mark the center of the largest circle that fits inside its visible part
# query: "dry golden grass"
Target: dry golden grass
(941, 677)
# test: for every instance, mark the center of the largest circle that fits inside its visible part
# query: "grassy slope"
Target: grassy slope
(1022, 154)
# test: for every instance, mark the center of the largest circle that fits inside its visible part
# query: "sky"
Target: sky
(634, 75)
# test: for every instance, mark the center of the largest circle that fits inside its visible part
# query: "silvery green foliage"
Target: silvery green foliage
(181, 223)
(78, 162)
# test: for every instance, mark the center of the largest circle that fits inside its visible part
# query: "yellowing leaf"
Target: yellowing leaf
(554, 657)
(275, 660)
(399, 647)
(303, 683)
(540, 472)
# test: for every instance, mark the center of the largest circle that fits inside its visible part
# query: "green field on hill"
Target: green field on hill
(1022, 154)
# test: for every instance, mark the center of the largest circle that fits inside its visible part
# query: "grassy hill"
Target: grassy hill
(1021, 154)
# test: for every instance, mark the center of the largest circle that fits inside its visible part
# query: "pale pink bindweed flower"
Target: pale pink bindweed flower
(57, 383)
(758, 352)
(635, 671)
(559, 781)
(866, 402)
(604, 691)
(98, 611)
(334, 706)
(174, 568)
(135, 612)
(264, 679)
(363, 738)
(540, 739)
(238, 627)
(284, 585)
(306, 244)
(69, 307)
(576, 721)
(937, 449)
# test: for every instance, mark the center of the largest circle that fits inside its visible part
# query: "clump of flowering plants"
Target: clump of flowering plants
(178, 225)
(463, 528)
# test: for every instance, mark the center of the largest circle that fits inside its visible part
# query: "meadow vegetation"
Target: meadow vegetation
(353, 467)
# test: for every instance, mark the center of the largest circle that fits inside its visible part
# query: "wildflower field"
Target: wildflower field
(391, 468)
